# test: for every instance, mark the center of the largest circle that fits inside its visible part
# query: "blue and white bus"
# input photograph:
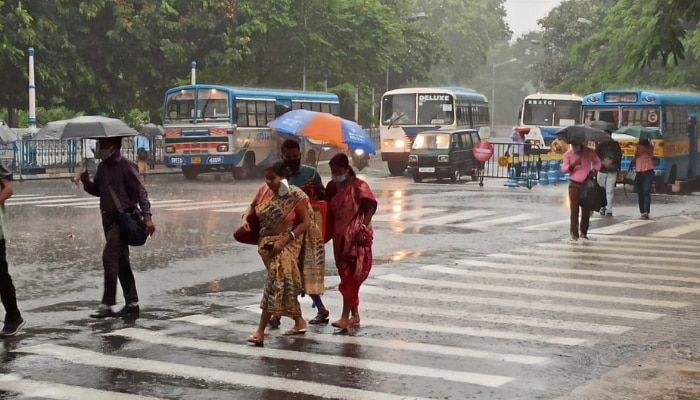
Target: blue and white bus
(222, 128)
(406, 112)
(546, 113)
(668, 119)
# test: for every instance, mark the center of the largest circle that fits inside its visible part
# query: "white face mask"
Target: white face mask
(284, 188)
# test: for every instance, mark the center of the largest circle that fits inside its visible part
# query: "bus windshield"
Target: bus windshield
(435, 109)
(545, 112)
(399, 109)
(180, 105)
(647, 117)
(212, 105)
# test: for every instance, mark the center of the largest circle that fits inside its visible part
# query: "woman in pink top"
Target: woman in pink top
(644, 165)
(578, 163)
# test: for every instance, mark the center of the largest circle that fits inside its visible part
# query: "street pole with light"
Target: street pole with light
(493, 87)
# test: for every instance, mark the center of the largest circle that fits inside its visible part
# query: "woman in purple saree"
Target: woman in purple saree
(351, 206)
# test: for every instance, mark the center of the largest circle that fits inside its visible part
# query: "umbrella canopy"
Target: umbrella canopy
(603, 125)
(150, 130)
(324, 127)
(7, 135)
(578, 134)
(640, 132)
(86, 127)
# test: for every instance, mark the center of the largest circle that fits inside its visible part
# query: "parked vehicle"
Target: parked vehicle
(444, 154)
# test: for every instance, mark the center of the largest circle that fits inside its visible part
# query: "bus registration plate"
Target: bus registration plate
(196, 160)
(426, 169)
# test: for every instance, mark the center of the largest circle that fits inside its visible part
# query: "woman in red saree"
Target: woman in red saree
(285, 229)
(351, 206)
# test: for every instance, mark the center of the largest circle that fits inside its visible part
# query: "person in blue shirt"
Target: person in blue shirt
(142, 146)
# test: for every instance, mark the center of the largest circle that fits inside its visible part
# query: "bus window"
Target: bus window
(212, 103)
(567, 112)
(180, 105)
(399, 109)
(335, 109)
(316, 107)
(435, 109)
(640, 116)
(325, 107)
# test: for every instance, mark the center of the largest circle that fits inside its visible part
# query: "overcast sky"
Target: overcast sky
(523, 14)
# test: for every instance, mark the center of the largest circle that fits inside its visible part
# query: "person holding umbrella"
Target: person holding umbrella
(119, 176)
(578, 162)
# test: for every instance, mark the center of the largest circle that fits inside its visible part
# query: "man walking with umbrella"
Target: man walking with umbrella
(117, 178)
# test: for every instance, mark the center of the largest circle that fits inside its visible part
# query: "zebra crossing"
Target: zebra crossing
(448, 331)
(404, 213)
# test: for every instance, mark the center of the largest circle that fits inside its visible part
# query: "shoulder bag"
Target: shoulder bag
(132, 226)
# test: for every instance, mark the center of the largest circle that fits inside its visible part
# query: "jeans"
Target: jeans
(7, 289)
(607, 180)
(574, 189)
(116, 264)
(644, 181)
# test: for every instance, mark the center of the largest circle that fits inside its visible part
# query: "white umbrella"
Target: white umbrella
(7, 135)
(86, 127)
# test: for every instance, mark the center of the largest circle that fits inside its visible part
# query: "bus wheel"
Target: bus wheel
(417, 178)
(455, 176)
(247, 169)
(396, 168)
(190, 172)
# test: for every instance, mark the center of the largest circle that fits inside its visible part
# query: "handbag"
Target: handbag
(253, 235)
(592, 195)
(630, 177)
(132, 226)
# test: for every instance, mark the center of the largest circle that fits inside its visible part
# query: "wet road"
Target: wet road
(475, 294)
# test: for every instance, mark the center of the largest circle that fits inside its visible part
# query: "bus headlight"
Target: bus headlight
(222, 148)
(399, 144)
(444, 158)
(412, 158)
(359, 152)
(169, 149)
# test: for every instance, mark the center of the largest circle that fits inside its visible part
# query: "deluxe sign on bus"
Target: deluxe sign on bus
(483, 151)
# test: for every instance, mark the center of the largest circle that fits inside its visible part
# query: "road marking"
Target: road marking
(569, 271)
(613, 247)
(467, 331)
(454, 217)
(95, 359)
(545, 226)
(534, 292)
(201, 205)
(43, 199)
(489, 301)
(653, 240)
(619, 227)
(548, 257)
(50, 390)
(576, 252)
(70, 203)
(498, 221)
(571, 281)
(490, 318)
(678, 230)
(406, 214)
(660, 243)
(154, 337)
(232, 210)
(388, 344)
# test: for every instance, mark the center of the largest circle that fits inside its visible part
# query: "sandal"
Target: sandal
(341, 324)
(354, 323)
(320, 318)
(274, 322)
(295, 331)
(255, 340)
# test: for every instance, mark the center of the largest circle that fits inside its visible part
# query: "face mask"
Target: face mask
(339, 178)
(293, 165)
(576, 148)
(284, 188)
(104, 154)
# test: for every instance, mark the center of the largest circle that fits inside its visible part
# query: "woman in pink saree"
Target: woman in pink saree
(351, 206)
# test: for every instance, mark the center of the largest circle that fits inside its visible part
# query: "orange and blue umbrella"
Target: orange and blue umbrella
(324, 127)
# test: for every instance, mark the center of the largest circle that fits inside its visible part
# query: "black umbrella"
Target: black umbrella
(578, 134)
(94, 127)
(603, 125)
(7, 135)
(150, 129)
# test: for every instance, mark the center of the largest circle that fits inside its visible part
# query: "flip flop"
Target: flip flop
(295, 332)
(256, 341)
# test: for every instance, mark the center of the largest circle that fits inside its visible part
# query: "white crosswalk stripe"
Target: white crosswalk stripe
(48, 390)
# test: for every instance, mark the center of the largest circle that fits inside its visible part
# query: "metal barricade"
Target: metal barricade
(523, 170)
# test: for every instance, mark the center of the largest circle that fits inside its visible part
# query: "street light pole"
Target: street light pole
(493, 87)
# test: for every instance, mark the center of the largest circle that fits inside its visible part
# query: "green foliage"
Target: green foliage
(44, 115)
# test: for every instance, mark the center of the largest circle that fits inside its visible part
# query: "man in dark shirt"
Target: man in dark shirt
(116, 173)
(13, 318)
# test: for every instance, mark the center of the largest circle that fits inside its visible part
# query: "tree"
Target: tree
(17, 34)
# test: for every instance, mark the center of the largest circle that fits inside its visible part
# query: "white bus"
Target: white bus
(546, 113)
(407, 112)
